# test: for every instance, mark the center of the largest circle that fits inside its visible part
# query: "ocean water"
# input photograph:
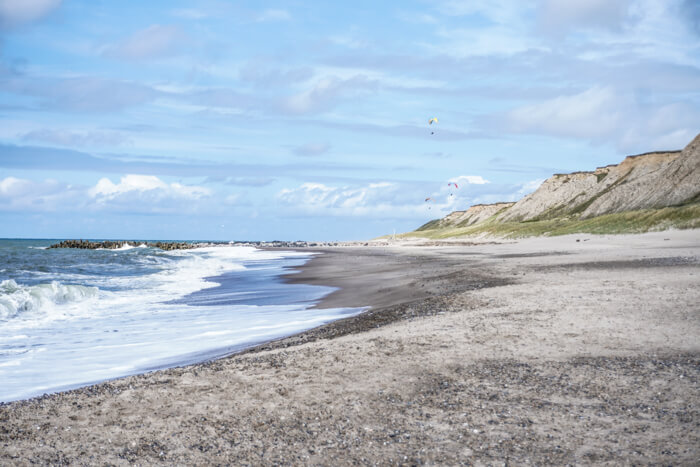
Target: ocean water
(73, 317)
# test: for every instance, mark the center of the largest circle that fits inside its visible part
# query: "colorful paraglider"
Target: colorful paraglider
(452, 184)
(429, 199)
(431, 121)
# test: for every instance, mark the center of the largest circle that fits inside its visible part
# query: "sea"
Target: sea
(72, 317)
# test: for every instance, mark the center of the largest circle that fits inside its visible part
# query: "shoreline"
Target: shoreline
(546, 351)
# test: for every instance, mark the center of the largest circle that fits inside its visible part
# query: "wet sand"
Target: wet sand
(578, 349)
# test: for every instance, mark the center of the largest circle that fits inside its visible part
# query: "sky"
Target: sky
(229, 120)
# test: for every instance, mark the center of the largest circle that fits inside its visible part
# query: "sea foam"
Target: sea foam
(136, 312)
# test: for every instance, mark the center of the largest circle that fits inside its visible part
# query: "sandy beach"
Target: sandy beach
(578, 349)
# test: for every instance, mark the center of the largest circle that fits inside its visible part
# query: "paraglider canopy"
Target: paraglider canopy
(431, 121)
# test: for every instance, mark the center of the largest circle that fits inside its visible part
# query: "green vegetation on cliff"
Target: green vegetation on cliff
(645, 220)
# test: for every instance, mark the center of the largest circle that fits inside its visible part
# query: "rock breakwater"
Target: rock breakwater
(117, 244)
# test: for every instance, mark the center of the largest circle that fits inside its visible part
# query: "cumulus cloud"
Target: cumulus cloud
(23, 195)
(156, 41)
(590, 114)
(381, 199)
(607, 115)
(474, 189)
(132, 194)
(395, 200)
(17, 12)
(144, 188)
(469, 180)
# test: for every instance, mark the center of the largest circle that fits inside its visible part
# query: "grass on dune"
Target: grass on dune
(646, 220)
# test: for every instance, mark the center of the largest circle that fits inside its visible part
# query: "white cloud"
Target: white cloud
(606, 115)
(479, 191)
(133, 194)
(469, 180)
(395, 200)
(591, 114)
(156, 41)
(16, 12)
(13, 187)
(37, 196)
(145, 187)
(381, 199)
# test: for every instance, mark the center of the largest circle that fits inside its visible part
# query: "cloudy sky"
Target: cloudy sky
(213, 119)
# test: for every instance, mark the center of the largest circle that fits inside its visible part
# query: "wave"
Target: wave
(158, 278)
(125, 247)
(16, 299)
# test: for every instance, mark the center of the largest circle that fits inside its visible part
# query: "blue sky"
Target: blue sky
(230, 120)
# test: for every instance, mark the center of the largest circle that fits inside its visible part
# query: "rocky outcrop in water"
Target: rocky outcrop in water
(116, 244)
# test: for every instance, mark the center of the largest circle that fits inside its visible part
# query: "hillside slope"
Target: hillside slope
(644, 192)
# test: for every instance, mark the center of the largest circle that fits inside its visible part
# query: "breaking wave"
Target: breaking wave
(16, 299)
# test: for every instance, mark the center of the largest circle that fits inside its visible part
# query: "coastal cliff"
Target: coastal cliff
(650, 191)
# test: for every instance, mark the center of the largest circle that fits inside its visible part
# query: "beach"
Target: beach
(577, 349)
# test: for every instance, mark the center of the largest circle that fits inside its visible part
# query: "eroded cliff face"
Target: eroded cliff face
(652, 180)
(475, 214)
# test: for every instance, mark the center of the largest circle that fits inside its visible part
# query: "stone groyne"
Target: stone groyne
(116, 244)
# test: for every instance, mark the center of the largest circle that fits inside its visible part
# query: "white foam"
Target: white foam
(40, 300)
(76, 335)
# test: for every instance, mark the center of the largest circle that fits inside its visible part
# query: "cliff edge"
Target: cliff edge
(645, 183)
